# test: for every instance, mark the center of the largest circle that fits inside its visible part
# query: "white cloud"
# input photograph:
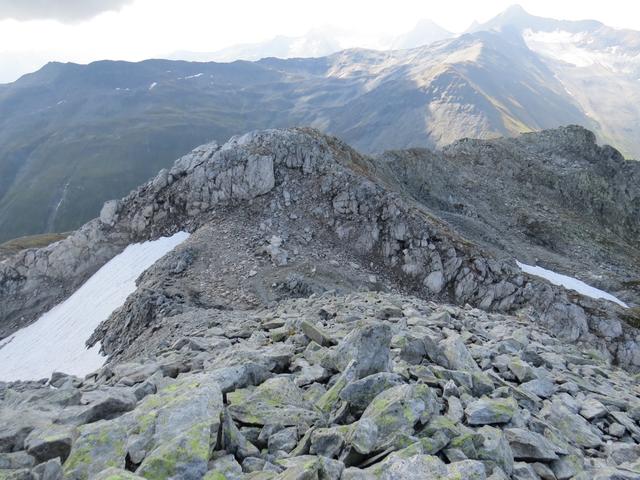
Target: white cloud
(62, 10)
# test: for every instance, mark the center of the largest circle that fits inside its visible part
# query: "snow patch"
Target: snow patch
(56, 341)
(577, 49)
(191, 76)
(152, 86)
(569, 283)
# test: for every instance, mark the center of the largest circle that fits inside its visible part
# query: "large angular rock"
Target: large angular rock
(239, 376)
(284, 440)
(235, 442)
(100, 445)
(530, 446)
(490, 411)
(592, 408)
(620, 452)
(368, 346)
(113, 473)
(101, 405)
(361, 392)
(186, 415)
(495, 449)
(397, 410)
(16, 460)
(574, 427)
(308, 467)
(541, 387)
(49, 470)
(416, 467)
(317, 334)
(328, 442)
(468, 469)
(405, 465)
(53, 441)
(225, 467)
(457, 354)
(276, 401)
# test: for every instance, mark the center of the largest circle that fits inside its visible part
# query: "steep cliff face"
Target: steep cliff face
(282, 213)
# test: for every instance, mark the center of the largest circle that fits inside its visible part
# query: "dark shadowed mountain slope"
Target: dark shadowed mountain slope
(72, 136)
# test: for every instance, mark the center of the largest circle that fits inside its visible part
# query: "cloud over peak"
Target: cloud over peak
(67, 11)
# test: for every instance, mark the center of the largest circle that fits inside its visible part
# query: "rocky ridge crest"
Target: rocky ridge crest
(326, 186)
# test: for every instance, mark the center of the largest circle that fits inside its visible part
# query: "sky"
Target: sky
(33, 32)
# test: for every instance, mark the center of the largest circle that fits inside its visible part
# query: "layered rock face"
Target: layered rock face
(358, 386)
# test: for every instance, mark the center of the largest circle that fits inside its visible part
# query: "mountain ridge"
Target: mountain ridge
(140, 116)
(348, 193)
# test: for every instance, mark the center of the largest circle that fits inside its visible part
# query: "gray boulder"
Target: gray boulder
(530, 446)
(490, 411)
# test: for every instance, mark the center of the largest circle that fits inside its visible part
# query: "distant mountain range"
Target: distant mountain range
(72, 136)
(318, 43)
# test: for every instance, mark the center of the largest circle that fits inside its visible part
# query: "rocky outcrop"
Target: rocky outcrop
(554, 197)
(319, 194)
(504, 399)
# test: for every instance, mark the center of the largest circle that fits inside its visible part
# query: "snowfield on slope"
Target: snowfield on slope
(569, 283)
(56, 341)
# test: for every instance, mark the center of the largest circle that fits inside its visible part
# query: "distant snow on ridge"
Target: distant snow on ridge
(56, 341)
(570, 283)
(578, 49)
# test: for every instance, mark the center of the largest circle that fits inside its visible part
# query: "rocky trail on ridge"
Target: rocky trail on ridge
(308, 326)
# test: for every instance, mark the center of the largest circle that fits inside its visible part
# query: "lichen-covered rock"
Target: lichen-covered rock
(100, 445)
(277, 400)
(574, 427)
(457, 354)
(530, 446)
(361, 392)
(186, 415)
(368, 347)
(236, 410)
(490, 411)
(114, 473)
(398, 410)
(50, 442)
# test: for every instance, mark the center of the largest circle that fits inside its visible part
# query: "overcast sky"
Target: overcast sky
(35, 31)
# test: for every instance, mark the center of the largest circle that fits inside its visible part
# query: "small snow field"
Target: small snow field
(56, 341)
(569, 283)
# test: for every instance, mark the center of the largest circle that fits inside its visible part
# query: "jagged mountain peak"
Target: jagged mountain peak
(425, 32)
(517, 19)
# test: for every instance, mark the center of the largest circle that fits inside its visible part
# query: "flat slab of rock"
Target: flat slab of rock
(530, 446)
